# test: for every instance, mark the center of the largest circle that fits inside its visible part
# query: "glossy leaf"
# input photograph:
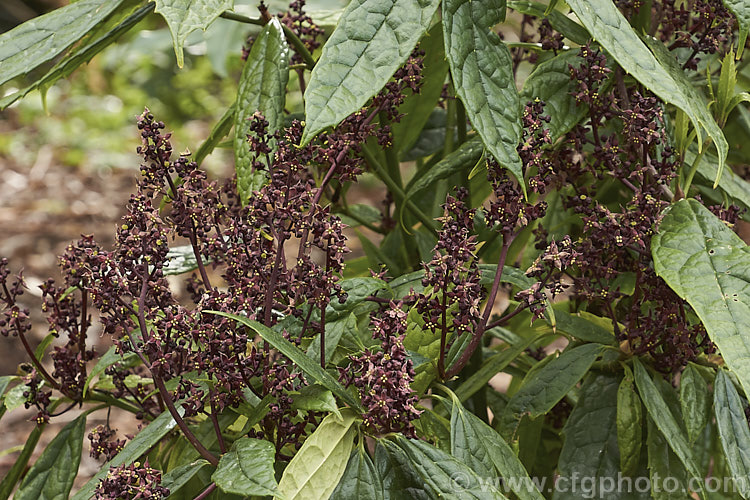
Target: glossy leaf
(444, 474)
(247, 468)
(262, 88)
(551, 82)
(590, 449)
(43, 38)
(694, 402)
(400, 479)
(741, 10)
(51, 477)
(662, 416)
(571, 29)
(479, 446)
(218, 132)
(657, 71)
(583, 326)
(629, 425)
(548, 386)
(318, 466)
(373, 38)
(334, 331)
(462, 159)
(361, 479)
(482, 72)
(139, 445)
(668, 475)
(314, 398)
(108, 359)
(708, 265)
(82, 54)
(178, 477)
(185, 16)
(733, 431)
(307, 365)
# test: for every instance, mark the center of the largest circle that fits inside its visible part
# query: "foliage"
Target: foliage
(557, 234)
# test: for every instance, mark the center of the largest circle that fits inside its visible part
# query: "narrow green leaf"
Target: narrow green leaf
(571, 29)
(4, 382)
(247, 468)
(262, 88)
(730, 184)
(551, 82)
(140, 444)
(708, 265)
(299, 358)
(464, 158)
(417, 107)
(657, 71)
(361, 479)
(694, 402)
(590, 448)
(583, 326)
(185, 16)
(629, 425)
(19, 466)
(668, 475)
(43, 38)
(482, 72)
(318, 466)
(445, 475)
(373, 38)
(314, 398)
(491, 367)
(481, 448)
(218, 132)
(741, 10)
(548, 386)
(108, 359)
(665, 421)
(357, 290)
(82, 54)
(43, 345)
(177, 478)
(180, 260)
(51, 477)
(733, 431)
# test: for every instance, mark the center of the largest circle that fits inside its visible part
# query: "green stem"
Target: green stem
(693, 169)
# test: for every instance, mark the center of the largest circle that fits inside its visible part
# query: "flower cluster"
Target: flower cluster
(383, 377)
(132, 482)
(303, 26)
(102, 443)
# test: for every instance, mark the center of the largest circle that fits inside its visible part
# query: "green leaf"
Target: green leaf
(482, 72)
(551, 82)
(590, 448)
(318, 466)
(445, 475)
(45, 37)
(357, 290)
(43, 345)
(360, 480)
(108, 359)
(177, 478)
(708, 265)
(657, 71)
(583, 326)
(464, 158)
(218, 132)
(140, 444)
(629, 425)
(180, 260)
(562, 23)
(334, 331)
(247, 468)
(548, 386)
(694, 401)
(741, 10)
(314, 398)
(417, 108)
(4, 382)
(730, 184)
(185, 16)
(664, 420)
(82, 54)
(51, 477)
(262, 88)
(668, 475)
(491, 367)
(373, 38)
(400, 479)
(481, 448)
(15, 398)
(307, 365)
(11, 478)
(733, 431)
